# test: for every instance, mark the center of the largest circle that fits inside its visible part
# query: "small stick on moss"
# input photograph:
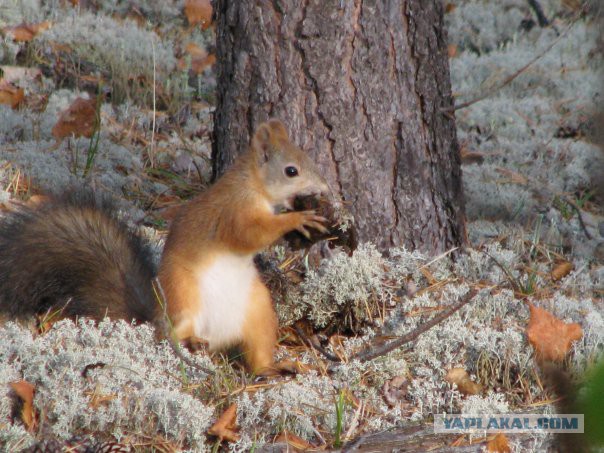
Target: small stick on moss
(514, 282)
(571, 202)
(511, 77)
(372, 353)
(438, 258)
(541, 18)
(328, 355)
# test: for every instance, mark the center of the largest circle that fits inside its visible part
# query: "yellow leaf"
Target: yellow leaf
(551, 338)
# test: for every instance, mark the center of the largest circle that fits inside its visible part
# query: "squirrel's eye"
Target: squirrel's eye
(291, 171)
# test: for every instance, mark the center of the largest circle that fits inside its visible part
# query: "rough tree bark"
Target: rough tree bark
(363, 85)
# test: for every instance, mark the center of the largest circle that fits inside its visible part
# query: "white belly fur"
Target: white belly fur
(225, 287)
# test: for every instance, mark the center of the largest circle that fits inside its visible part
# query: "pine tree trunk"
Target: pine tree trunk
(363, 86)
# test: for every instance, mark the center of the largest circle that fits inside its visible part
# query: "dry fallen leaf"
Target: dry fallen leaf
(450, 7)
(199, 12)
(499, 444)
(550, 337)
(10, 94)
(561, 270)
(461, 379)
(225, 427)
(293, 441)
(200, 58)
(78, 120)
(452, 50)
(25, 391)
(19, 33)
(395, 390)
(25, 32)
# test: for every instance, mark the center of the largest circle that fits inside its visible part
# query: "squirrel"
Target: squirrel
(74, 256)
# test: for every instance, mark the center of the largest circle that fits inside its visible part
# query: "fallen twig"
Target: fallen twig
(512, 76)
(328, 355)
(578, 211)
(513, 282)
(541, 18)
(374, 352)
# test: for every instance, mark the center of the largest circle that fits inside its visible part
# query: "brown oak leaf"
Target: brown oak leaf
(26, 32)
(225, 427)
(395, 390)
(78, 120)
(11, 94)
(550, 337)
(561, 270)
(199, 12)
(499, 444)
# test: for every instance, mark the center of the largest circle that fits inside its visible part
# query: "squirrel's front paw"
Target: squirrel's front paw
(283, 368)
(310, 219)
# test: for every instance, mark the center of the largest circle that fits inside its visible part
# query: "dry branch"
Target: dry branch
(372, 353)
(511, 77)
(541, 17)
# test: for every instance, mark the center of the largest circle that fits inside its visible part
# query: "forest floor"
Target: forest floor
(534, 185)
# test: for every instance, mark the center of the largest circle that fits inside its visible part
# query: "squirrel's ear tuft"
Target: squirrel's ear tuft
(267, 136)
(277, 129)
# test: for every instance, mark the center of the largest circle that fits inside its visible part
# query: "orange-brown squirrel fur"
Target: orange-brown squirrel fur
(207, 272)
(73, 255)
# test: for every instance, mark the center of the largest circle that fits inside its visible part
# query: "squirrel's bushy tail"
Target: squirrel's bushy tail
(72, 254)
